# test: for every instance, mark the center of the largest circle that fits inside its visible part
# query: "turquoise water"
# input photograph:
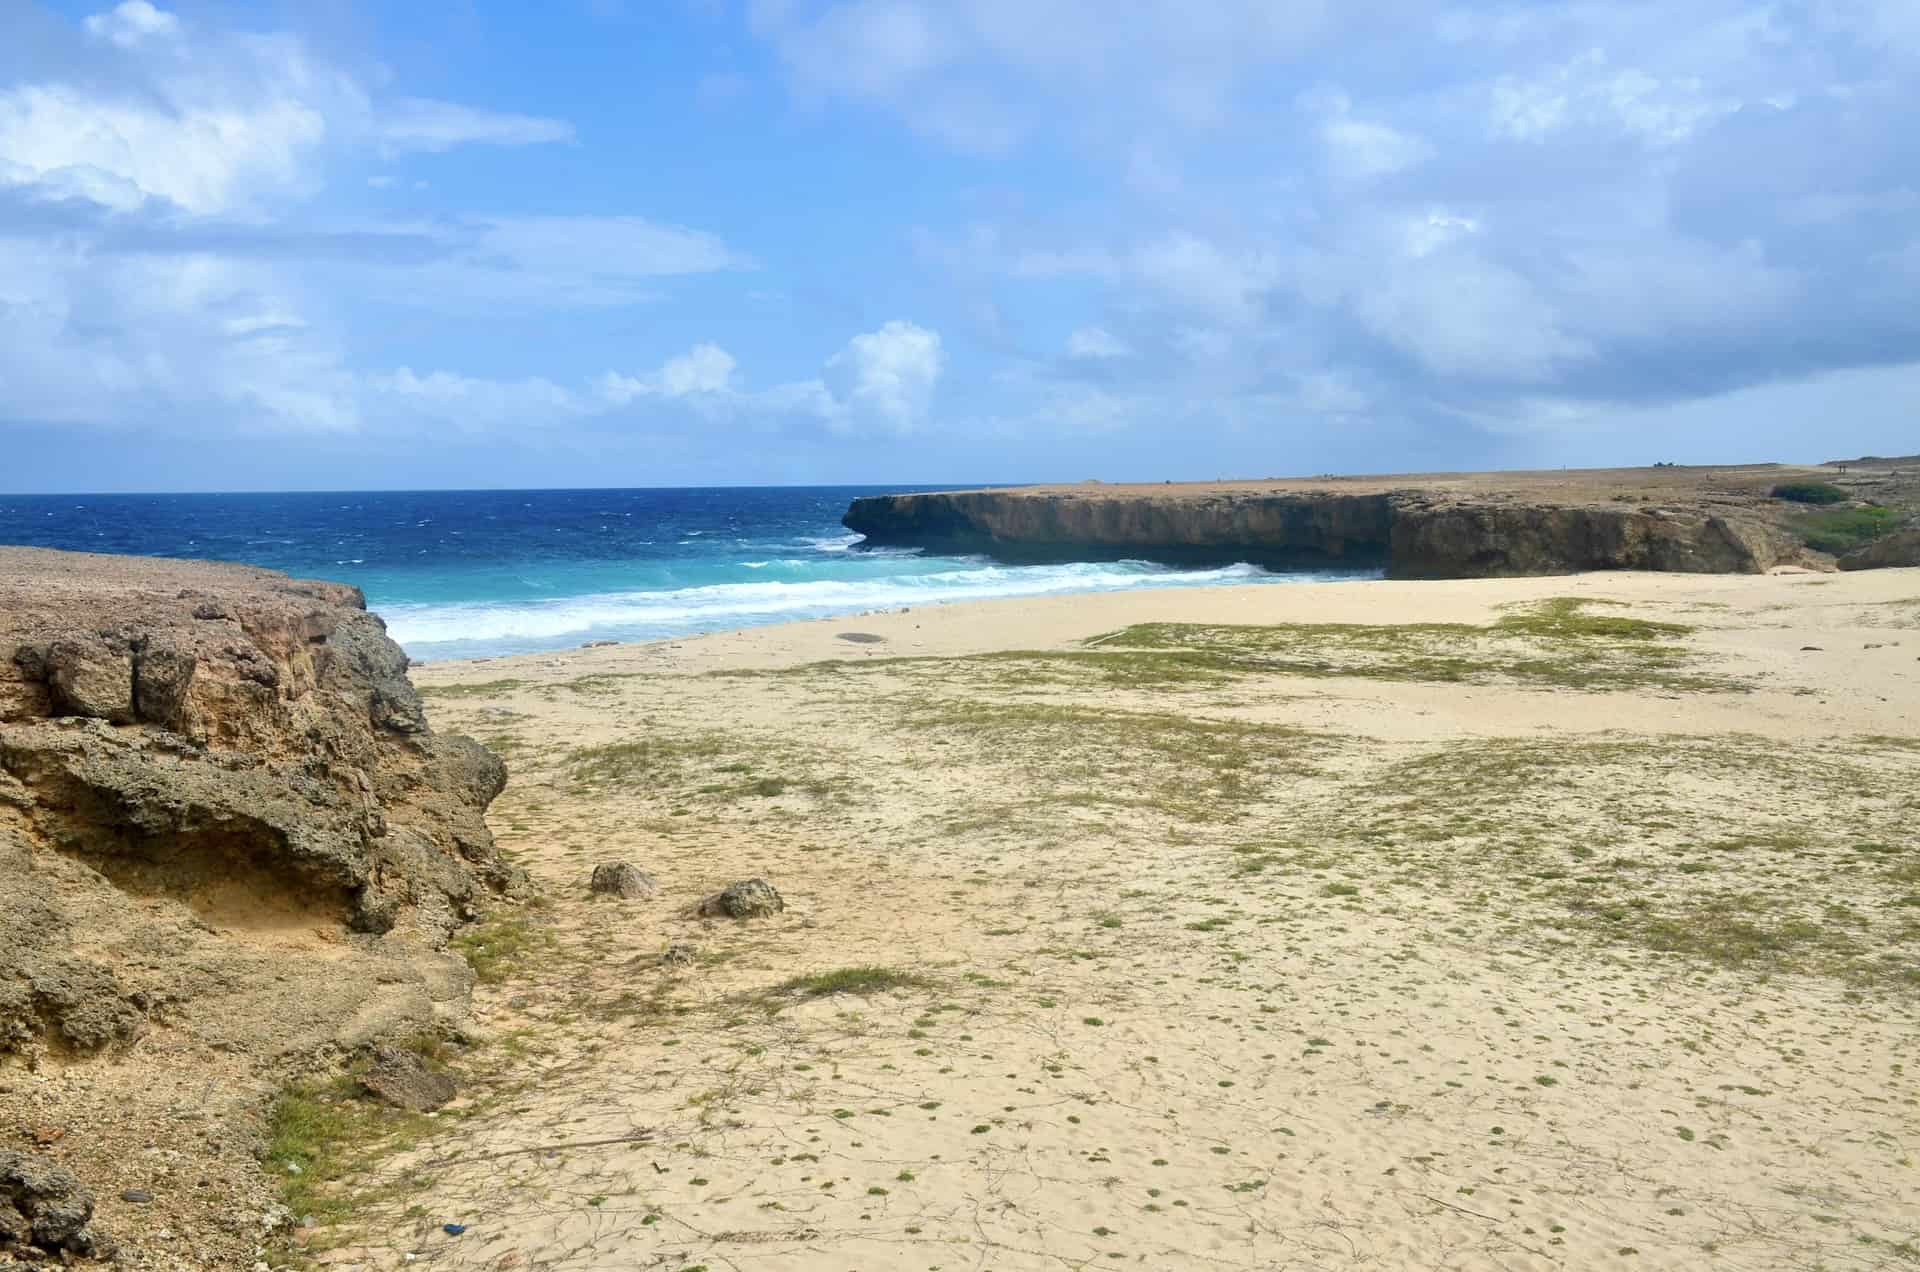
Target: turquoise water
(461, 574)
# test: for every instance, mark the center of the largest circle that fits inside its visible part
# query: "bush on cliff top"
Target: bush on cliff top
(1809, 492)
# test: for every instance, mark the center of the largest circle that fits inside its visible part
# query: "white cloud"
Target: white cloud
(1096, 343)
(1590, 90)
(198, 152)
(121, 342)
(218, 123)
(703, 369)
(131, 23)
(890, 375)
(706, 368)
(183, 285)
(983, 75)
(415, 123)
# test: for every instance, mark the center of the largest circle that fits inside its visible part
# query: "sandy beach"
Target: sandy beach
(1541, 923)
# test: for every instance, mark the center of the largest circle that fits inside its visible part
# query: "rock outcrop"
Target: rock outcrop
(1718, 520)
(1442, 538)
(45, 1211)
(1901, 548)
(200, 763)
(229, 843)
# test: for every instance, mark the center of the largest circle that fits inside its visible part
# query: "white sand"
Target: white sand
(1360, 972)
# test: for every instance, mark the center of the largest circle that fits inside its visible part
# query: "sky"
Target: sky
(338, 244)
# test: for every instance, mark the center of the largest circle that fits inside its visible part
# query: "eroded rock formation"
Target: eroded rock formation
(222, 811)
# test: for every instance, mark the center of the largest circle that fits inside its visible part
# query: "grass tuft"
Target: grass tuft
(866, 979)
(497, 945)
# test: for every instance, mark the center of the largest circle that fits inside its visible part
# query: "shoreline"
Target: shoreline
(923, 580)
(1061, 622)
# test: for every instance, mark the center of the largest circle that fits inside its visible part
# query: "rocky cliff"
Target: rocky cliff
(1702, 520)
(228, 836)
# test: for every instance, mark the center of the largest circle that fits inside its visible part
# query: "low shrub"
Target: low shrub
(1809, 492)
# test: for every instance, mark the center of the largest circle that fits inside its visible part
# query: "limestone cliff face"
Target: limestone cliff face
(1064, 526)
(1414, 533)
(1449, 539)
(222, 811)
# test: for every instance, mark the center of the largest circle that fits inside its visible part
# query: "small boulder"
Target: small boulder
(618, 879)
(89, 678)
(747, 899)
(404, 1081)
(44, 1207)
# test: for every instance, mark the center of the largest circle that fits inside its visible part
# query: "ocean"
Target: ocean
(463, 574)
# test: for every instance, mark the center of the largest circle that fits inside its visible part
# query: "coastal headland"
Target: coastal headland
(1485, 923)
(1703, 520)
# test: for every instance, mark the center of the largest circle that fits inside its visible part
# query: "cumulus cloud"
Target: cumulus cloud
(196, 151)
(215, 122)
(704, 369)
(889, 376)
(131, 23)
(882, 379)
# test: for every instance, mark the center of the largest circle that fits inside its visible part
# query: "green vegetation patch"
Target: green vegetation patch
(498, 945)
(324, 1137)
(1559, 644)
(1740, 852)
(714, 765)
(1839, 530)
(650, 761)
(1809, 492)
(1065, 758)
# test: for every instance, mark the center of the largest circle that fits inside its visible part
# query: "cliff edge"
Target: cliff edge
(228, 841)
(1447, 525)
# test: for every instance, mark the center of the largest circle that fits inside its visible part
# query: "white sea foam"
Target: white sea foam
(470, 628)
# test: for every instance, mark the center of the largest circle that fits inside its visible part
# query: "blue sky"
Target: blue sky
(659, 242)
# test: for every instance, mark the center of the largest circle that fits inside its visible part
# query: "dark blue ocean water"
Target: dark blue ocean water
(458, 574)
